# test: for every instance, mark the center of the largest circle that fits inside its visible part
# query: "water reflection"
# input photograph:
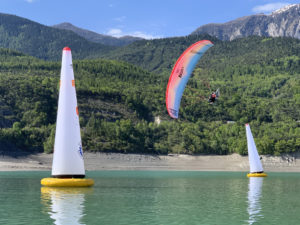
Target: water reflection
(64, 205)
(254, 199)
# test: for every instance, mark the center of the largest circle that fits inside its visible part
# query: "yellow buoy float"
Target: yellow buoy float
(257, 175)
(67, 182)
(67, 165)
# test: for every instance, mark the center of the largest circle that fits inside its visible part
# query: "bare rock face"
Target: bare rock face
(284, 22)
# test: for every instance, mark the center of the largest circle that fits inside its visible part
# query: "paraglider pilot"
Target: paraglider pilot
(212, 97)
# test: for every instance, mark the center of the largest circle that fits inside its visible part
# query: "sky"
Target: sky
(142, 18)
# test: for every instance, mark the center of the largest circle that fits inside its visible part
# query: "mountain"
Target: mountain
(95, 37)
(284, 22)
(42, 41)
(46, 42)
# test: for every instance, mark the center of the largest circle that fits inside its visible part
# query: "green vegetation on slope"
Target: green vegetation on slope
(42, 41)
(157, 55)
(258, 78)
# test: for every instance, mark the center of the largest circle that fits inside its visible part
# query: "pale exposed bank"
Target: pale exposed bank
(116, 161)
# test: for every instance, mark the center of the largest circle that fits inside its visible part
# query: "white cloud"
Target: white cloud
(144, 35)
(119, 33)
(115, 32)
(268, 8)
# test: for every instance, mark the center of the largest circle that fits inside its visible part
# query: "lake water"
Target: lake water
(152, 197)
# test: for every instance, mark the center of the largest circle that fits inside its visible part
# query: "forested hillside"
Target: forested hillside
(157, 55)
(42, 41)
(258, 80)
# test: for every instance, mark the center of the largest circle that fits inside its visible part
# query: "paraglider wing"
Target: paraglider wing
(181, 74)
(218, 93)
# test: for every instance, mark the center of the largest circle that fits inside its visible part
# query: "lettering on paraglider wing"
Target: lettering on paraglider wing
(181, 72)
(173, 111)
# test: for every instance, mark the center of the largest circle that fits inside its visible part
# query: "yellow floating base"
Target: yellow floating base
(65, 190)
(67, 182)
(257, 175)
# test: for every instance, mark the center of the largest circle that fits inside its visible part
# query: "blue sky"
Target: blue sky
(147, 19)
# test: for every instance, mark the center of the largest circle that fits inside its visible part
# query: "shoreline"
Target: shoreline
(172, 162)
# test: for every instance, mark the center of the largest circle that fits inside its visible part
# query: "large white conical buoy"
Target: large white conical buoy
(68, 155)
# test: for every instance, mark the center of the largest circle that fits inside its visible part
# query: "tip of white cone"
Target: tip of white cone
(66, 49)
(247, 124)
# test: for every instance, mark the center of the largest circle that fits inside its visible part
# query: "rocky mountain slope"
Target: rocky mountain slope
(284, 22)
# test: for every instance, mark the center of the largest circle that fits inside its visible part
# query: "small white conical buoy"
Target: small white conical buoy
(256, 169)
(68, 155)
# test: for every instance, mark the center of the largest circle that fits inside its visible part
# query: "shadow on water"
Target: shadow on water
(64, 205)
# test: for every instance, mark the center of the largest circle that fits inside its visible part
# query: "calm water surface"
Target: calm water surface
(140, 197)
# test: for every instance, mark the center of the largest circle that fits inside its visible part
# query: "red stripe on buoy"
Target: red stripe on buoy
(67, 49)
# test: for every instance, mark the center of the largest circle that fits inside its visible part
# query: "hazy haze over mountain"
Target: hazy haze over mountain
(98, 38)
